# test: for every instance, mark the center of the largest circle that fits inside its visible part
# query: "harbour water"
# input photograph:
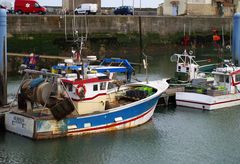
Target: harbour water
(174, 135)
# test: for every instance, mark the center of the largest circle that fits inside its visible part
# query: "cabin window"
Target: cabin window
(102, 86)
(95, 87)
(227, 79)
(221, 79)
(237, 78)
(111, 85)
(69, 87)
(179, 68)
(187, 69)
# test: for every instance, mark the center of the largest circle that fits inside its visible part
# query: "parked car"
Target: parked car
(86, 8)
(123, 10)
(28, 6)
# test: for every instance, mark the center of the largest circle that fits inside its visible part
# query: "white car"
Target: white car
(86, 8)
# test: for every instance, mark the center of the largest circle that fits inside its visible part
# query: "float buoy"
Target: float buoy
(81, 91)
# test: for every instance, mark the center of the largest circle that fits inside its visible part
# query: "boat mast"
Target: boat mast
(78, 39)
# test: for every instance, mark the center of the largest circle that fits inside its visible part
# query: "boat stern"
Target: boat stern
(20, 124)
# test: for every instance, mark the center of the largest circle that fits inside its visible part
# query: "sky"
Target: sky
(110, 3)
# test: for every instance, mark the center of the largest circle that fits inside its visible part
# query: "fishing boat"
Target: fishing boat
(54, 105)
(222, 92)
(188, 70)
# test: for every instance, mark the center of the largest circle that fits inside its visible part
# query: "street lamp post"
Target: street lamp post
(133, 8)
(140, 4)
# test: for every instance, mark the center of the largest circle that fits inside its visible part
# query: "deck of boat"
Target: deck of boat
(168, 97)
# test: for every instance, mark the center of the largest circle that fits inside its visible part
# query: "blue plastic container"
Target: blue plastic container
(3, 57)
(236, 39)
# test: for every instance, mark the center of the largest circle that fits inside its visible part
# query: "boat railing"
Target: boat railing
(30, 71)
(207, 91)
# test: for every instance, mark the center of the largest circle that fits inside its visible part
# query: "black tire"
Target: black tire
(76, 13)
(40, 13)
(19, 12)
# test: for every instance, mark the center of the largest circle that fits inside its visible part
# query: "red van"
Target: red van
(28, 6)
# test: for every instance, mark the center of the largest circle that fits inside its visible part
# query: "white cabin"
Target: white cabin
(92, 90)
(186, 64)
(228, 77)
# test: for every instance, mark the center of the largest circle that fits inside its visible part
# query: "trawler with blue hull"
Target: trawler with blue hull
(54, 105)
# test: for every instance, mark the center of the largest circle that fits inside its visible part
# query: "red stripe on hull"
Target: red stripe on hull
(193, 107)
(116, 124)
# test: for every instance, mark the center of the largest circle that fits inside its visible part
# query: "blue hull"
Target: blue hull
(107, 121)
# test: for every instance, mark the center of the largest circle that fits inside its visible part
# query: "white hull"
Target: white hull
(206, 102)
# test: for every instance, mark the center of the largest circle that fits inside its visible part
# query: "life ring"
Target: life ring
(81, 90)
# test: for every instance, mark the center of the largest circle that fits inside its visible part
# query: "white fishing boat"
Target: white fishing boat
(223, 92)
(55, 105)
(187, 69)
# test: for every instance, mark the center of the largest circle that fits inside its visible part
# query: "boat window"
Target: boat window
(95, 87)
(221, 79)
(70, 87)
(111, 85)
(179, 68)
(102, 86)
(237, 78)
(187, 69)
(227, 79)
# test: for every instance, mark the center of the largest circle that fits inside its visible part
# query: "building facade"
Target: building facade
(70, 5)
(199, 7)
(237, 4)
